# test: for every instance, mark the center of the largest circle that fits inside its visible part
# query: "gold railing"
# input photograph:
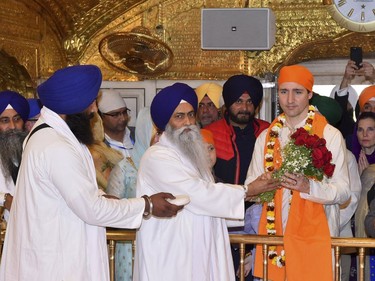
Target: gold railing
(338, 244)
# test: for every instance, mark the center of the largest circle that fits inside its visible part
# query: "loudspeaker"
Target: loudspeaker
(237, 29)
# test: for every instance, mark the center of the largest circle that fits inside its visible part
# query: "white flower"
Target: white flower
(270, 218)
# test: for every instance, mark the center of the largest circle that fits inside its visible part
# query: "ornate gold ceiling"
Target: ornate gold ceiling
(41, 36)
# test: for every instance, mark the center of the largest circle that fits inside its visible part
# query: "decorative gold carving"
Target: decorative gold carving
(136, 52)
(74, 46)
(14, 77)
(45, 35)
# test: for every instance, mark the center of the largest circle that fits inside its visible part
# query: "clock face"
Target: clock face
(355, 15)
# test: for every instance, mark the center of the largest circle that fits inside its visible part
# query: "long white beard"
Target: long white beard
(189, 140)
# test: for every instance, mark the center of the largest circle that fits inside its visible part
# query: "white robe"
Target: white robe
(55, 231)
(194, 245)
(6, 186)
(355, 188)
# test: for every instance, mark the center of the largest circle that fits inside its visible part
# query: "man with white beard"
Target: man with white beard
(194, 245)
(14, 110)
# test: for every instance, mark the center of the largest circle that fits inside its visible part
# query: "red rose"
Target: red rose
(329, 169)
(301, 140)
(318, 157)
(328, 156)
(311, 141)
(320, 142)
(300, 132)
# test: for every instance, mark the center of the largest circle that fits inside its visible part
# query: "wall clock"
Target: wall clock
(355, 15)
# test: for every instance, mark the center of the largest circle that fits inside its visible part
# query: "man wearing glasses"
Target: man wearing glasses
(114, 113)
(14, 111)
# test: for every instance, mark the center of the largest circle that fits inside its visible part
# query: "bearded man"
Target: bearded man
(195, 244)
(235, 135)
(14, 112)
(56, 229)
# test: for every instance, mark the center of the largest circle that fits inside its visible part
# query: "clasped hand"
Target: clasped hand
(295, 182)
(263, 183)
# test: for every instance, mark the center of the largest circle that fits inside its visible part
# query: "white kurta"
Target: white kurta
(355, 188)
(331, 193)
(125, 147)
(55, 231)
(6, 186)
(194, 245)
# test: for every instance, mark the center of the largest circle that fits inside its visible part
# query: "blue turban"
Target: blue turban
(236, 85)
(166, 101)
(17, 101)
(35, 106)
(72, 89)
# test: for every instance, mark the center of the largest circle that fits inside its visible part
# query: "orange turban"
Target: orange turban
(297, 74)
(207, 136)
(367, 94)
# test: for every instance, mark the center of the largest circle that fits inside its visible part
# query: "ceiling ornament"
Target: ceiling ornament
(136, 52)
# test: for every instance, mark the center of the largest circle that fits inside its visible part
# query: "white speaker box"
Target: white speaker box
(237, 29)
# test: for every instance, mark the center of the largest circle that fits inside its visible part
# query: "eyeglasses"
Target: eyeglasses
(119, 113)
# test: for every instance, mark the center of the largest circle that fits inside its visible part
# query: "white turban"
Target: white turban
(110, 100)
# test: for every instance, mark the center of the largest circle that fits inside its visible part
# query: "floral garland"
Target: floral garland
(276, 259)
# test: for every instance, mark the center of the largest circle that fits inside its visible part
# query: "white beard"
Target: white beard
(189, 141)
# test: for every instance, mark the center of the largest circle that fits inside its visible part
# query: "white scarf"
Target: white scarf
(59, 125)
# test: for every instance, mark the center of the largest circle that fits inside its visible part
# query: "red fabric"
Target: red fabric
(307, 240)
(224, 136)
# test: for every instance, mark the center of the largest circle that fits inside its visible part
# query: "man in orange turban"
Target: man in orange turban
(208, 138)
(305, 211)
(366, 99)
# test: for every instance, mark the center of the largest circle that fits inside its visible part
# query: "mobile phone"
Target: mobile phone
(356, 55)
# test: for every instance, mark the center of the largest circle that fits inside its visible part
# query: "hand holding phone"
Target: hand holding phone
(356, 56)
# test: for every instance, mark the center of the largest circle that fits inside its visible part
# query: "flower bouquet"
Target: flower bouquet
(304, 154)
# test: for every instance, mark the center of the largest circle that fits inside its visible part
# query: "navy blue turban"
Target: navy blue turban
(35, 107)
(72, 89)
(166, 101)
(17, 101)
(236, 85)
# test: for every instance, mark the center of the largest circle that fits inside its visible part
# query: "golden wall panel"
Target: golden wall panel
(305, 31)
(45, 35)
(25, 37)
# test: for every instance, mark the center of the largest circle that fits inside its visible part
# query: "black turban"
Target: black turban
(236, 85)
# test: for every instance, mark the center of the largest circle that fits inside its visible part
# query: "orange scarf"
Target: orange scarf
(307, 240)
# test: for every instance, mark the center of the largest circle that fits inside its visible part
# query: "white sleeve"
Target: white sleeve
(355, 189)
